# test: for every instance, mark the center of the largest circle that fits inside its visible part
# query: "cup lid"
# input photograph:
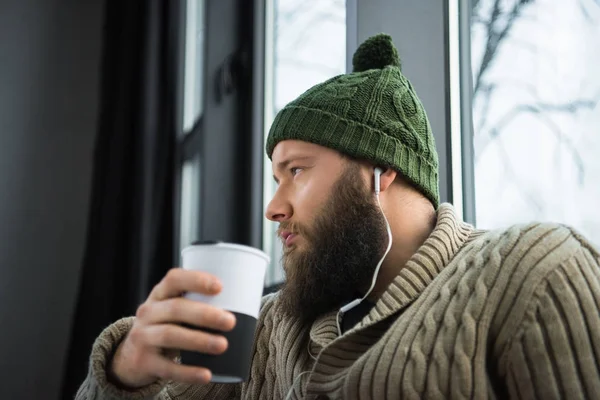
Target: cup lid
(230, 246)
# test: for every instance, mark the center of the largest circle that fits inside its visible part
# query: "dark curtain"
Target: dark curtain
(130, 233)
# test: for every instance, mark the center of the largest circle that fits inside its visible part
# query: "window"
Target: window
(194, 60)
(296, 58)
(536, 112)
(190, 194)
(189, 129)
(217, 165)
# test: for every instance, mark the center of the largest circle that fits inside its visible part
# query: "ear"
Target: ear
(387, 177)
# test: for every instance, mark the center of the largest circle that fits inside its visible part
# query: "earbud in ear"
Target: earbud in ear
(377, 179)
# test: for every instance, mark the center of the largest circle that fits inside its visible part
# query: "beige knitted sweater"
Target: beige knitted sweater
(473, 314)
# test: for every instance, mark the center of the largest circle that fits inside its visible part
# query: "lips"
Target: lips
(287, 237)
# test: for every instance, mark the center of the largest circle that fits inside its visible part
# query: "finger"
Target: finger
(179, 309)
(177, 337)
(178, 281)
(168, 369)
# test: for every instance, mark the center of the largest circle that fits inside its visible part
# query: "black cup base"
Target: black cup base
(233, 365)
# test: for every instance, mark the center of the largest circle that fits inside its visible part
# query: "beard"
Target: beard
(341, 251)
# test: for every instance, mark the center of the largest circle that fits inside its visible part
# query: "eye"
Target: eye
(295, 170)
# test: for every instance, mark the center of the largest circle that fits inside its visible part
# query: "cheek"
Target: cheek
(310, 197)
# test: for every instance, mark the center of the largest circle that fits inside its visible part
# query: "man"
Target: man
(388, 294)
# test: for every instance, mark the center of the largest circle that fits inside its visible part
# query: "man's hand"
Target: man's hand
(147, 353)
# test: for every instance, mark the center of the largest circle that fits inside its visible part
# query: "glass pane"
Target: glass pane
(194, 63)
(297, 58)
(190, 206)
(536, 112)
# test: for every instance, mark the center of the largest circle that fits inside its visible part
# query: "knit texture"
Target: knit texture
(372, 114)
(473, 314)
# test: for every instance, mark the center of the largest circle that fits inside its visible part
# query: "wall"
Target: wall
(49, 76)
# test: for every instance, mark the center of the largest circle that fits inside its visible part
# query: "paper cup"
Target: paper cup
(241, 270)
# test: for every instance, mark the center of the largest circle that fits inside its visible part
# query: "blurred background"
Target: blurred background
(131, 129)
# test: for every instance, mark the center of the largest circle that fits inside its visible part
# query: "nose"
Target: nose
(279, 209)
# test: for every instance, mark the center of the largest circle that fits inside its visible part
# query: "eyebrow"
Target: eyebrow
(283, 165)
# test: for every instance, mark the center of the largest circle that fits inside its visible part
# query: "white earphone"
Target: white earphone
(377, 179)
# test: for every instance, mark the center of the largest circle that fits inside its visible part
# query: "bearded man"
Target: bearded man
(388, 294)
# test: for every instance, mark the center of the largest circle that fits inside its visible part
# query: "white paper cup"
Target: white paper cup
(241, 270)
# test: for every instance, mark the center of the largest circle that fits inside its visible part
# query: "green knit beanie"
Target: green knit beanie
(371, 114)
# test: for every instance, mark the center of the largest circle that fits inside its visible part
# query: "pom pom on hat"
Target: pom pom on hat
(377, 52)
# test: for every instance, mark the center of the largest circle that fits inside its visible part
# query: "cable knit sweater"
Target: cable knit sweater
(473, 314)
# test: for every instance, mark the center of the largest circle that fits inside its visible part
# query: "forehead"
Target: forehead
(297, 148)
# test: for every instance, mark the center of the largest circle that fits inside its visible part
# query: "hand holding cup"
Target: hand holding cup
(159, 331)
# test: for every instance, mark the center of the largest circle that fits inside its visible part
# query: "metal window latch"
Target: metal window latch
(231, 74)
